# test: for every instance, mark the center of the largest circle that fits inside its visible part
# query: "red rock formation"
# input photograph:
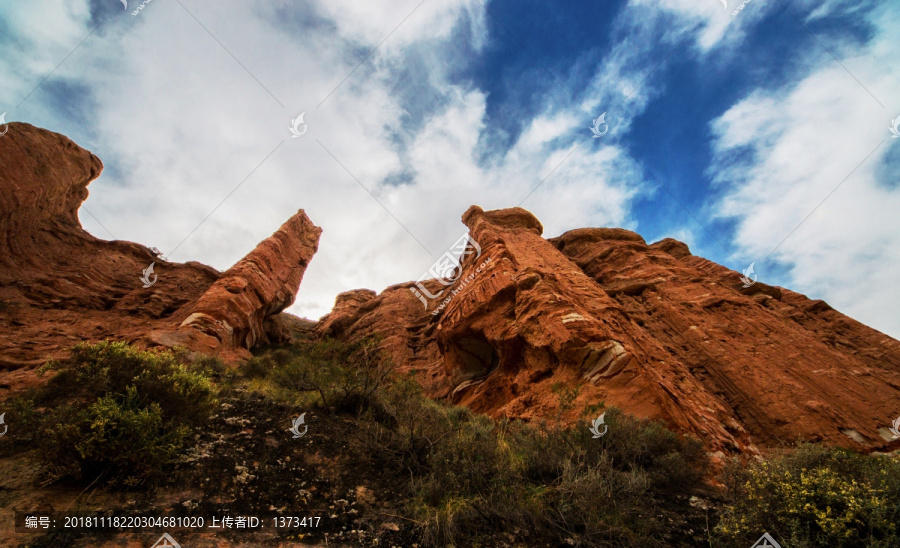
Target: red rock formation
(786, 367)
(649, 328)
(232, 312)
(59, 285)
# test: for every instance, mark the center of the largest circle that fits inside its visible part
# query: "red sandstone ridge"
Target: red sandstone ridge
(232, 312)
(59, 285)
(651, 329)
(648, 328)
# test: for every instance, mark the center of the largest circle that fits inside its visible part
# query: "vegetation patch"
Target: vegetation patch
(465, 478)
(381, 464)
(115, 414)
(814, 496)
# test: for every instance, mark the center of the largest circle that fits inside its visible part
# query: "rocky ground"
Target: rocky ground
(246, 462)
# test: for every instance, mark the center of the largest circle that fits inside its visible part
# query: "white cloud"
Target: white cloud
(179, 124)
(781, 151)
(716, 25)
(370, 23)
(59, 26)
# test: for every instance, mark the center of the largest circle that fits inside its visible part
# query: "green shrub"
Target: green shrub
(119, 413)
(256, 367)
(814, 496)
(479, 474)
(111, 368)
(208, 366)
(600, 504)
(468, 473)
(115, 439)
(338, 376)
(23, 421)
(466, 477)
(673, 463)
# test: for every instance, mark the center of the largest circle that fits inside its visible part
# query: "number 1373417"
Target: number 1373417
(291, 522)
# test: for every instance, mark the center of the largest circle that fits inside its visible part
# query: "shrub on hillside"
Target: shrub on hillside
(96, 370)
(335, 376)
(814, 496)
(115, 439)
(470, 474)
(119, 413)
(467, 477)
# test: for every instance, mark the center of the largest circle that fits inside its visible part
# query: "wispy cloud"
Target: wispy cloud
(184, 107)
(781, 151)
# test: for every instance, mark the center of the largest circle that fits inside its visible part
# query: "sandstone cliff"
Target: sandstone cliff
(651, 329)
(59, 285)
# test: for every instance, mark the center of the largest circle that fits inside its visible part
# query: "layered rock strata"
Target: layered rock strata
(651, 329)
(231, 314)
(59, 285)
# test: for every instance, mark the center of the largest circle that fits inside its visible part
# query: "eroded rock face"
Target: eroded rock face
(786, 367)
(649, 328)
(59, 285)
(396, 316)
(230, 315)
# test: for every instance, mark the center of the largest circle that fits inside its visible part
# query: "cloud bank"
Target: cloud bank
(188, 104)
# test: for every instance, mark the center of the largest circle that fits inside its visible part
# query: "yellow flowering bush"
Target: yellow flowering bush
(814, 496)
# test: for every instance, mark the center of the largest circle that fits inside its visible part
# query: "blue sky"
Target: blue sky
(757, 137)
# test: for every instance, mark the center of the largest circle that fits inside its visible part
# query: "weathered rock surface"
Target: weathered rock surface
(232, 312)
(651, 329)
(59, 285)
